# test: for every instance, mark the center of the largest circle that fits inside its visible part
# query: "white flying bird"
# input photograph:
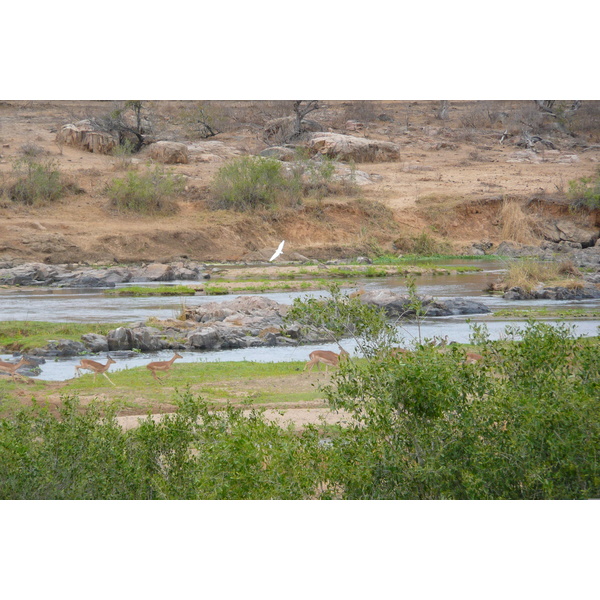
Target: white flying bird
(277, 252)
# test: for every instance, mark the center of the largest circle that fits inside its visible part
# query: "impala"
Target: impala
(164, 365)
(96, 367)
(326, 357)
(11, 368)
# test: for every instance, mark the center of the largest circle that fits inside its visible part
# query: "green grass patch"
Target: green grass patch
(552, 313)
(163, 290)
(216, 290)
(22, 336)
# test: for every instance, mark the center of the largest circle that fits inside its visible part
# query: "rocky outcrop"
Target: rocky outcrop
(282, 129)
(83, 135)
(399, 305)
(283, 153)
(348, 147)
(553, 293)
(33, 274)
(169, 153)
(566, 231)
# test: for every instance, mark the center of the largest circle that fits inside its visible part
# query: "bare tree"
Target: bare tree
(561, 112)
(301, 110)
(127, 122)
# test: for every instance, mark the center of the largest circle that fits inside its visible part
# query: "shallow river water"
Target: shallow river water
(92, 306)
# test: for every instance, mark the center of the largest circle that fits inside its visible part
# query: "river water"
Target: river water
(92, 306)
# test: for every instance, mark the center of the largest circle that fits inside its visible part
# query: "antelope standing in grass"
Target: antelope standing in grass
(96, 367)
(326, 357)
(164, 365)
(11, 368)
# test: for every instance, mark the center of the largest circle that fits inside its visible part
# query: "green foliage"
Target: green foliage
(146, 193)
(341, 316)
(422, 245)
(26, 335)
(191, 454)
(523, 424)
(37, 183)
(161, 290)
(252, 182)
(586, 191)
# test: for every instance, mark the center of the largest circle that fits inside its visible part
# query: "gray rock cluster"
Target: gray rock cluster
(244, 322)
(40, 274)
(399, 305)
(581, 257)
(553, 293)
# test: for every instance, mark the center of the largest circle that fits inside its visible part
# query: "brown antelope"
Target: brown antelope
(164, 365)
(472, 357)
(398, 352)
(96, 367)
(326, 357)
(11, 368)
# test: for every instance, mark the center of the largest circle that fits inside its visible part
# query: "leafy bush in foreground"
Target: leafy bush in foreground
(523, 423)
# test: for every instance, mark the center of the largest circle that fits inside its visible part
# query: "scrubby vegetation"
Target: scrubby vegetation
(586, 191)
(37, 182)
(521, 424)
(152, 192)
(251, 182)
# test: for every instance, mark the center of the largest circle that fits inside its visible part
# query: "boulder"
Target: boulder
(572, 233)
(120, 338)
(348, 147)
(169, 153)
(203, 339)
(61, 348)
(153, 272)
(95, 342)
(83, 135)
(147, 339)
(283, 153)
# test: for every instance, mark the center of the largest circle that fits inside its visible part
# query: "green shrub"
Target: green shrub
(146, 193)
(586, 191)
(252, 182)
(422, 245)
(37, 182)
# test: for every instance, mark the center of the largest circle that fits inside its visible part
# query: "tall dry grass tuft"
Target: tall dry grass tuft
(527, 274)
(516, 225)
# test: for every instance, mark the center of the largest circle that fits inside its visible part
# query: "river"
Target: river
(92, 306)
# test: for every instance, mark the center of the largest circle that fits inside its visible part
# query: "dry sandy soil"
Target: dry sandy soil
(450, 181)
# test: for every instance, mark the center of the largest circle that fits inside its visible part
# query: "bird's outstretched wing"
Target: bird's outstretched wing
(278, 251)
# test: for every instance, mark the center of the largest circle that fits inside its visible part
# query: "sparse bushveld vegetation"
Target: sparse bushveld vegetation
(586, 191)
(251, 182)
(37, 182)
(422, 244)
(151, 192)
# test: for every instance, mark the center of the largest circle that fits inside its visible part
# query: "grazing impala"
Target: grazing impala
(164, 365)
(326, 357)
(96, 367)
(11, 368)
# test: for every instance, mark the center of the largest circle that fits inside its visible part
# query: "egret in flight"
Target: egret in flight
(277, 252)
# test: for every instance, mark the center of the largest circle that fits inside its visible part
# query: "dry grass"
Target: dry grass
(528, 274)
(517, 226)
